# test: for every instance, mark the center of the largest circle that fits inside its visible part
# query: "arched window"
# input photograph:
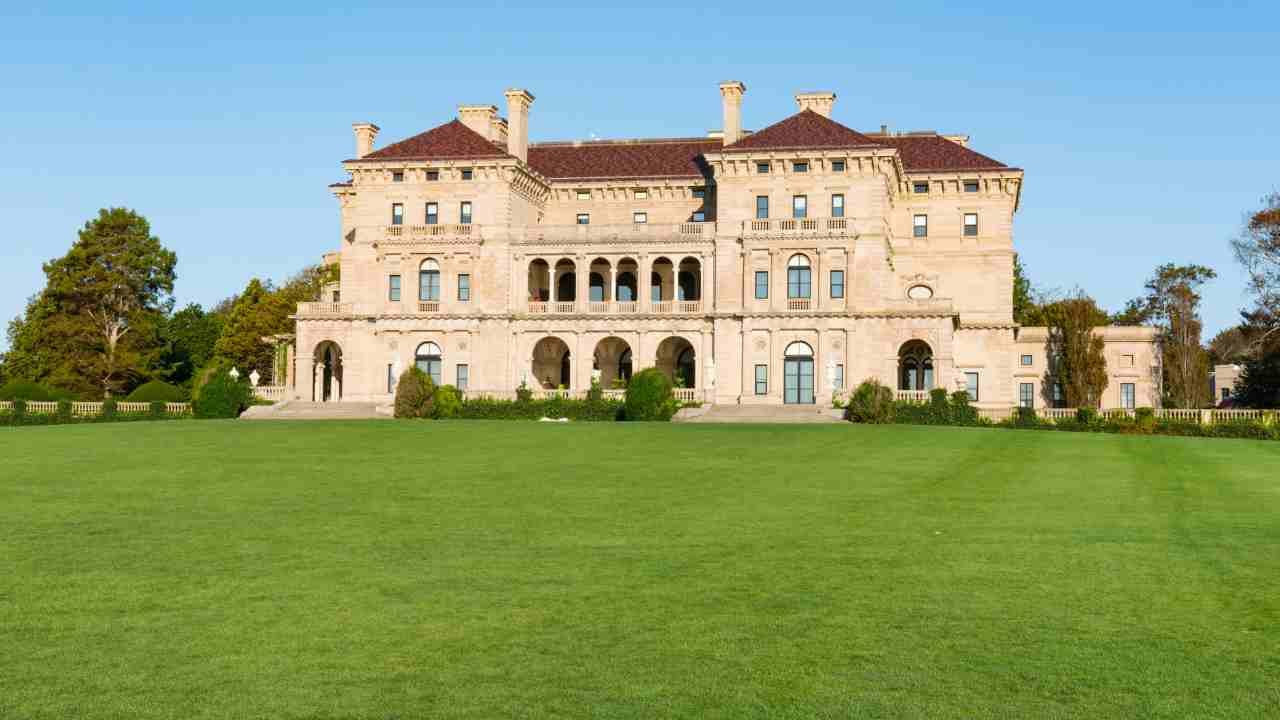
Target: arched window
(688, 285)
(627, 287)
(799, 349)
(596, 293)
(655, 287)
(430, 360)
(429, 280)
(799, 277)
(566, 288)
(915, 366)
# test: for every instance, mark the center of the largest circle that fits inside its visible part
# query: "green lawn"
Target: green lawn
(522, 570)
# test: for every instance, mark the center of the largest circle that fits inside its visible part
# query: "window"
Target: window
(433, 213)
(433, 175)
(839, 379)
(464, 287)
(1127, 396)
(699, 193)
(397, 213)
(584, 218)
(463, 376)
(337, 295)
(1027, 360)
(837, 166)
(641, 194)
(639, 218)
(799, 277)
(393, 288)
(1026, 395)
(971, 186)
(655, 287)
(837, 206)
(762, 284)
(1057, 395)
(762, 207)
(837, 284)
(584, 194)
(799, 206)
(920, 188)
(971, 224)
(397, 176)
(391, 378)
(464, 213)
(920, 226)
(971, 385)
(1226, 393)
(466, 174)
(429, 281)
(699, 216)
(762, 168)
(762, 379)
(429, 360)
(800, 167)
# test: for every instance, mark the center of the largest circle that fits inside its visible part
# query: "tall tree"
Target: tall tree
(1172, 303)
(254, 315)
(32, 356)
(1257, 249)
(1229, 346)
(1077, 359)
(189, 335)
(1023, 303)
(111, 290)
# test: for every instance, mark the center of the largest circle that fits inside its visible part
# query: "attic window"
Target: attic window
(397, 176)
(584, 194)
(800, 167)
(837, 166)
(642, 194)
(971, 186)
(433, 175)
(920, 188)
(639, 218)
(762, 168)
(466, 173)
(699, 193)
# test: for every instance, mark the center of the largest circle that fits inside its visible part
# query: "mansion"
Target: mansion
(784, 265)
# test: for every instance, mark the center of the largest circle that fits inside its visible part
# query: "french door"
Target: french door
(797, 383)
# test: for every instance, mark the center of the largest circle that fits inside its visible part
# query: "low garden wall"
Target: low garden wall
(31, 412)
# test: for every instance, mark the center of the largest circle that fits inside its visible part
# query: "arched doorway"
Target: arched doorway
(430, 360)
(797, 374)
(689, 279)
(677, 359)
(915, 366)
(613, 360)
(552, 364)
(327, 378)
(566, 281)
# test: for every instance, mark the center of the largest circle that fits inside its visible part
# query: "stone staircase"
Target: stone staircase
(789, 414)
(301, 410)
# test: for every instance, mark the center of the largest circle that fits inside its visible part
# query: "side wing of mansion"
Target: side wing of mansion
(781, 266)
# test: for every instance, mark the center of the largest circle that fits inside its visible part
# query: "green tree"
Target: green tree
(31, 356)
(1076, 353)
(1229, 346)
(1023, 302)
(1257, 249)
(254, 315)
(189, 336)
(1172, 303)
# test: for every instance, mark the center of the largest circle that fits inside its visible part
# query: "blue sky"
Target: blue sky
(1144, 135)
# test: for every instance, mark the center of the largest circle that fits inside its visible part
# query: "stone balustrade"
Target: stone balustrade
(93, 409)
(805, 226)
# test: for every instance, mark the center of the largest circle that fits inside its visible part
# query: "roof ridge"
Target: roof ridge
(624, 141)
(803, 130)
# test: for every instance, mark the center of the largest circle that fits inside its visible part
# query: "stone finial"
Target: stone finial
(731, 93)
(365, 134)
(819, 102)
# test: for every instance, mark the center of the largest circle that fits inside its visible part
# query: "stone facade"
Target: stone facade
(785, 265)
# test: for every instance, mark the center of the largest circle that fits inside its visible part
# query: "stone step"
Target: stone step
(301, 410)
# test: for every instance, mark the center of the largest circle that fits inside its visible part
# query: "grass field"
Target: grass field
(521, 570)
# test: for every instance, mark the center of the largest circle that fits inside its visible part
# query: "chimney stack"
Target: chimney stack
(731, 109)
(819, 102)
(518, 102)
(365, 133)
(479, 118)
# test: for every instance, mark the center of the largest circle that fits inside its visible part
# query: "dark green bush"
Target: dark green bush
(962, 410)
(595, 393)
(33, 392)
(415, 394)
(446, 403)
(523, 393)
(223, 397)
(871, 402)
(109, 408)
(1024, 417)
(157, 410)
(157, 390)
(1086, 415)
(1145, 419)
(650, 397)
(64, 411)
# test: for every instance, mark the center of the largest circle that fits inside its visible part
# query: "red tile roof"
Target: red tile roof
(921, 153)
(804, 130)
(453, 140)
(622, 159)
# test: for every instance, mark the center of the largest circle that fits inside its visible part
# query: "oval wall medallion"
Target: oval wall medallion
(920, 292)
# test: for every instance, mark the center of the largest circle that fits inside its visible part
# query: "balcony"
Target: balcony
(405, 234)
(664, 307)
(429, 306)
(811, 226)
(799, 304)
(627, 232)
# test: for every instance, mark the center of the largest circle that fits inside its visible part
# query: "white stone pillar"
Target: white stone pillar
(317, 381)
(613, 284)
(551, 282)
(644, 283)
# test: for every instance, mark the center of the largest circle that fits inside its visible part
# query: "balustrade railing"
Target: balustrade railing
(598, 306)
(428, 306)
(662, 306)
(686, 394)
(92, 409)
(325, 308)
(799, 303)
(626, 306)
(563, 307)
(274, 393)
(797, 225)
(430, 231)
(916, 396)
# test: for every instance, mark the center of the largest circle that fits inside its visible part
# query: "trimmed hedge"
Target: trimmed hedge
(63, 416)
(446, 403)
(650, 396)
(157, 391)
(26, 390)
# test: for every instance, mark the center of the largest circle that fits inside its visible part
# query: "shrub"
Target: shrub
(157, 409)
(578, 410)
(1024, 417)
(523, 393)
(649, 396)
(595, 393)
(446, 403)
(962, 410)
(871, 403)
(24, 390)
(1145, 419)
(1086, 415)
(415, 394)
(64, 411)
(109, 409)
(223, 397)
(156, 390)
(19, 411)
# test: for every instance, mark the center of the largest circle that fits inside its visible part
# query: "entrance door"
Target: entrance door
(798, 381)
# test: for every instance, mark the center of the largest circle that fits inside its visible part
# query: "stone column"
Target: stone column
(317, 382)
(612, 295)
(643, 282)
(289, 369)
(551, 282)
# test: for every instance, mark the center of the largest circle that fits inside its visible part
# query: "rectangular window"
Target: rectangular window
(584, 194)
(433, 175)
(433, 213)
(800, 167)
(1026, 395)
(391, 378)
(1057, 395)
(837, 166)
(464, 287)
(762, 379)
(397, 176)
(464, 213)
(429, 285)
(837, 284)
(397, 213)
(762, 207)
(641, 194)
(762, 168)
(699, 216)
(393, 288)
(920, 226)
(1128, 396)
(971, 186)
(839, 376)
(971, 385)
(699, 193)
(920, 188)
(463, 376)
(466, 174)
(837, 206)
(584, 218)
(762, 284)
(1226, 393)
(639, 218)
(971, 224)
(1027, 360)
(799, 206)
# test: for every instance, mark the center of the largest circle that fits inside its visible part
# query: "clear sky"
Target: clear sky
(1145, 133)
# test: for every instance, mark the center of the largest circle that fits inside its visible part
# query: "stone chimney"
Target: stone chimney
(518, 102)
(819, 102)
(479, 118)
(365, 133)
(498, 131)
(731, 109)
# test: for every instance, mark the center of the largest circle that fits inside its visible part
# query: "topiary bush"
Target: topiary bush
(1145, 419)
(447, 402)
(415, 394)
(649, 396)
(109, 409)
(157, 391)
(871, 402)
(64, 411)
(962, 410)
(1086, 415)
(523, 393)
(222, 397)
(25, 390)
